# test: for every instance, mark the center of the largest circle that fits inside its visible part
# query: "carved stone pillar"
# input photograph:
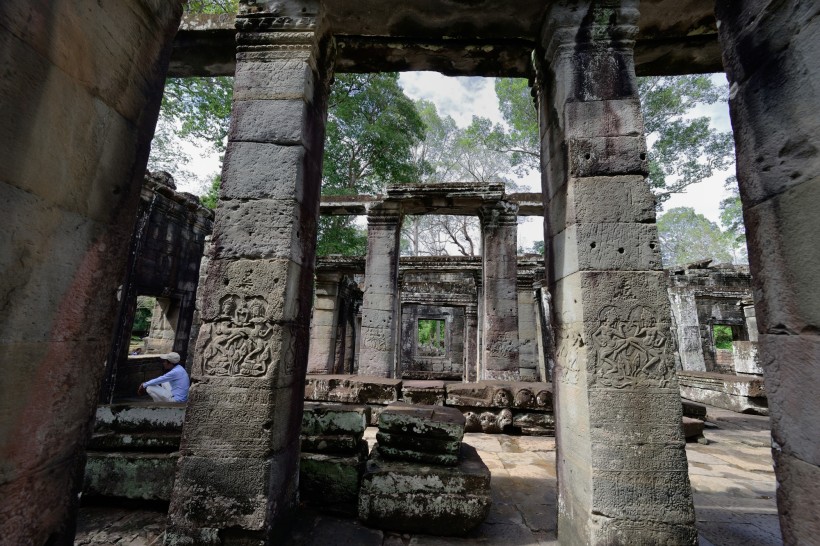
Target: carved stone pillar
(324, 323)
(770, 55)
(237, 477)
(527, 333)
(499, 230)
(471, 344)
(380, 309)
(621, 463)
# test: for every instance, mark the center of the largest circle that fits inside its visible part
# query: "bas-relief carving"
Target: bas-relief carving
(504, 345)
(488, 422)
(376, 338)
(568, 364)
(632, 350)
(239, 341)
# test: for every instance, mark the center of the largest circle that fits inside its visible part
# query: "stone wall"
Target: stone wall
(80, 93)
(166, 251)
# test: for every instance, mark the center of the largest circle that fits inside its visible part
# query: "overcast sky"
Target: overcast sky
(462, 98)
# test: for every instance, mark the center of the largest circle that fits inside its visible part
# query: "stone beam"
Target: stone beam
(675, 37)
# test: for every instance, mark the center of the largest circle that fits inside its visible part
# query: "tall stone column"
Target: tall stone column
(499, 231)
(380, 308)
(527, 333)
(324, 323)
(770, 54)
(237, 477)
(621, 463)
(470, 344)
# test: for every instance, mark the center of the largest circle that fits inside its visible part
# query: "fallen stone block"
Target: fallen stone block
(428, 393)
(428, 421)
(330, 483)
(692, 428)
(330, 444)
(430, 499)
(144, 476)
(500, 394)
(147, 417)
(694, 410)
(743, 394)
(352, 389)
(159, 441)
(534, 424)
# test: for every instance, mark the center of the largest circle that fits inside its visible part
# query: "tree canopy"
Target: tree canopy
(687, 237)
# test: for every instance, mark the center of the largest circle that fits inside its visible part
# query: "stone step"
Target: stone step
(127, 475)
(158, 441)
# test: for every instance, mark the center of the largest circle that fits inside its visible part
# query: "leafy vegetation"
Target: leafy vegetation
(722, 335)
(686, 236)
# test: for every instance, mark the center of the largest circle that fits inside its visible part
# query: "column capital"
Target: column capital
(500, 213)
(384, 215)
(612, 24)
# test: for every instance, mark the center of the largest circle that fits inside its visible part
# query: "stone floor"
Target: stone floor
(732, 481)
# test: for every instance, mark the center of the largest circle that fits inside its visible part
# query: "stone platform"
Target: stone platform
(740, 393)
(732, 480)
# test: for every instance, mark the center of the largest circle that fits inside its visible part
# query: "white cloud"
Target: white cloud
(461, 97)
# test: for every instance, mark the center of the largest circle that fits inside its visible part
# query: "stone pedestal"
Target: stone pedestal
(621, 457)
(238, 472)
(499, 226)
(324, 323)
(380, 308)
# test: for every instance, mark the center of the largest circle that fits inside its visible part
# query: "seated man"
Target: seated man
(171, 387)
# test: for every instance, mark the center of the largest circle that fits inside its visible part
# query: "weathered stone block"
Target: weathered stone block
(321, 419)
(329, 443)
(352, 389)
(283, 79)
(257, 170)
(602, 247)
(415, 498)
(745, 358)
(535, 424)
(130, 475)
(159, 441)
(426, 421)
(140, 417)
(604, 118)
(692, 428)
(331, 482)
(270, 121)
(602, 156)
(500, 394)
(261, 229)
(693, 410)
(415, 448)
(744, 394)
(429, 393)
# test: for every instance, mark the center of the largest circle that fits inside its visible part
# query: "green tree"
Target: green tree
(731, 212)
(211, 197)
(212, 6)
(373, 131)
(683, 149)
(686, 236)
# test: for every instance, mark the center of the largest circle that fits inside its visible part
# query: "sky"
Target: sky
(463, 97)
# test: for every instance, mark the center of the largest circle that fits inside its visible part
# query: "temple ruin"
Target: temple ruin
(81, 94)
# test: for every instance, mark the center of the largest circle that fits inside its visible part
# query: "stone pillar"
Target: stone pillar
(237, 477)
(324, 323)
(380, 309)
(543, 321)
(78, 115)
(770, 55)
(688, 329)
(622, 470)
(471, 344)
(499, 236)
(527, 343)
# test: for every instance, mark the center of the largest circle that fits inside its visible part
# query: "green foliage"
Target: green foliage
(731, 213)
(537, 247)
(686, 236)
(211, 197)
(521, 140)
(372, 130)
(142, 316)
(722, 335)
(340, 235)
(684, 150)
(431, 334)
(212, 6)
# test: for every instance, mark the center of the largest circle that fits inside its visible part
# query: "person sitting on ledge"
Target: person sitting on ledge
(172, 386)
